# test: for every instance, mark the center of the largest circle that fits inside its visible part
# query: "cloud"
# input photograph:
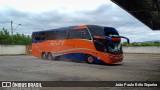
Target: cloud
(106, 15)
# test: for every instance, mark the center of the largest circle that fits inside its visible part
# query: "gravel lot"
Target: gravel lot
(135, 67)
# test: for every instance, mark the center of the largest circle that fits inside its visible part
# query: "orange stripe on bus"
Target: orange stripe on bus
(80, 27)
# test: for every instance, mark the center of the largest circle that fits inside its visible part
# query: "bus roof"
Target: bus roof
(73, 27)
(63, 28)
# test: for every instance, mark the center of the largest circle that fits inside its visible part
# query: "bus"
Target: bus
(90, 43)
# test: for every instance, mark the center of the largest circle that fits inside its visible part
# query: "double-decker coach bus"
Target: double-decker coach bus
(90, 43)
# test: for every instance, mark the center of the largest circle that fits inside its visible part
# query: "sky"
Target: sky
(37, 15)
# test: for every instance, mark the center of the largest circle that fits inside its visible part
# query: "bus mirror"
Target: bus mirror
(126, 39)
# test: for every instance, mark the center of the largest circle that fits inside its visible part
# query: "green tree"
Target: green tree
(16, 39)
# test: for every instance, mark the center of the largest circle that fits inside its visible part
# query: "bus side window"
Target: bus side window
(33, 37)
(79, 34)
(61, 34)
(100, 45)
(83, 33)
(40, 36)
(50, 35)
(72, 34)
(37, 36)
(53, 35)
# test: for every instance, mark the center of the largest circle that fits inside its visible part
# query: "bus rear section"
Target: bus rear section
(90, 43)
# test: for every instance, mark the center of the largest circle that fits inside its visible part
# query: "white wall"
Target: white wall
(12, 49)
(21, 49)
(145, 49)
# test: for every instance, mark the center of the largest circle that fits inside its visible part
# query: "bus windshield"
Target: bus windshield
(103, 43)
(115, 47)
(104, 46)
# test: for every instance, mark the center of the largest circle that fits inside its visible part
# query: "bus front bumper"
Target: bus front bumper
(114, 58)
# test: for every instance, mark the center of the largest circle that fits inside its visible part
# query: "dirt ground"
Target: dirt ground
(135, 67)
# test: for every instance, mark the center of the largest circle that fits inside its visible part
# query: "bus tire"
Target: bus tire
(89, 59)
(49, 56)
(43, 55)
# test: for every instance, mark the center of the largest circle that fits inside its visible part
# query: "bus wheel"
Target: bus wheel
(89, 59)
(43, 55)
(49, 56)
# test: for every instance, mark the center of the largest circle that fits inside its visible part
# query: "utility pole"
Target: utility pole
(12, 32)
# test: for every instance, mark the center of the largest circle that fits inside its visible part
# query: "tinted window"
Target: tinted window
(40, 36)
(96, 30)
(101, 45)
(79, 34)
(61, 34)
(111, 32)
(50, 35)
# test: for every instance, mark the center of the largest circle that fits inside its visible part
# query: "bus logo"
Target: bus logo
(57, 43)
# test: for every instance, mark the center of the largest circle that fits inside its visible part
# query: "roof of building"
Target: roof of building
(146, 11)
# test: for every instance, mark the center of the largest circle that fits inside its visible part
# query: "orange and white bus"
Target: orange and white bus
(90, 43)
